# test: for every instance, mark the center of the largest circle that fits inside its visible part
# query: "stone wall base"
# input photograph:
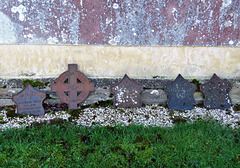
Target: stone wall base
(153, 91)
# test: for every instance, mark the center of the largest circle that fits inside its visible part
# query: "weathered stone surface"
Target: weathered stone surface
(198, 97)
(180, 94)
(99, 94)
(235, 93)
(7, 93)
(216, 93)
(6, 102)
(127, 93)
(153, 96)
(125, 22)
(29, 101)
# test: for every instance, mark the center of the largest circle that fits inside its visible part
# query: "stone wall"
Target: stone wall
(110, 38)
(153, 91)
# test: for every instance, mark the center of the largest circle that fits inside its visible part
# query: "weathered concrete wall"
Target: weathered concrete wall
(121, 22)
(41, 61)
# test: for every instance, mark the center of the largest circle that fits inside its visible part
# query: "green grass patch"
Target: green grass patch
(198, 144)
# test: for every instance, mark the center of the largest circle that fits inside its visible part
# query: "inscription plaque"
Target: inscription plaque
(72, 87)
(29, 101)
(180, 94)
(216, 93)
(127, 93)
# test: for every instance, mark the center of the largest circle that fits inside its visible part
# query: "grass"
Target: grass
(198, 144)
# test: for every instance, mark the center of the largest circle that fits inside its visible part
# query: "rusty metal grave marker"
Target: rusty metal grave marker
(180, 94)
(216, 93)
(29, 101)
(72, 87)
(127, 93)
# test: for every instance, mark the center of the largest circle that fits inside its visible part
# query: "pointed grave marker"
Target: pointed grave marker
(180, 94)
(72, 87)
(29, 101)
(216, 93)
(127, 93)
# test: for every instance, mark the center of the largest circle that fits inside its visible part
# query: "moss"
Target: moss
(106, 103)
(47, 83)
(177, 120)
(155, 88)
(171, 113)
(3, 122)
(111, 95)
(154, 107)
(197, 83)
(236, 107)
(11, 112)
(164, 105)
(1, 117)
(37, 83)
(156, 77)
(48, 96)
(74, 113)
(121, 110)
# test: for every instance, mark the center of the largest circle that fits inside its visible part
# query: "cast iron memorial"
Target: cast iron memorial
(216, 93)
(72, 87)
(180, 94)
(29, 101)
(127, 93)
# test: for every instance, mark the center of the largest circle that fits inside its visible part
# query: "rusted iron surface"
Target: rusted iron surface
(216, 93)
(127, 93)
(180, 94)
(125, 22)
(72, 87)
(29, 101)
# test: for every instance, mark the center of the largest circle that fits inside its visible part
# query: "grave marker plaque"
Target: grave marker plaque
(72, 87)
(216, 93)
(29, 101)
(127, 93)
(180, 94)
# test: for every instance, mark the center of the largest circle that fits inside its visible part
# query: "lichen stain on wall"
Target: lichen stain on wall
(125, 22)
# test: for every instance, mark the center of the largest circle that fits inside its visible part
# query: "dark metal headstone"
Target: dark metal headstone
(216, 93)
(127, 93)
(72, 87)
(29, 101)
(180, 94)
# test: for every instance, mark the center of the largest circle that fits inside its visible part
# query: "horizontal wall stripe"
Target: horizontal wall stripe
(42, 61)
